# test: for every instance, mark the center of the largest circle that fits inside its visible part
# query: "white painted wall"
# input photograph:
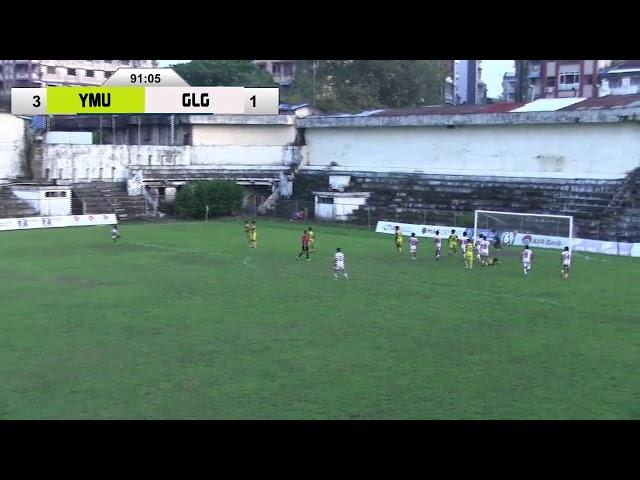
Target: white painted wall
(11, 146)
(237, 155)
(112, 162)
(562, 151)
(48, 206)
(243, 134)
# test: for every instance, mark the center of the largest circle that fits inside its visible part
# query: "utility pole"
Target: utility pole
(522, 80)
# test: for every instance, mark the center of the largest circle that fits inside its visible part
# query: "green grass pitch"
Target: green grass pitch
(184, 321)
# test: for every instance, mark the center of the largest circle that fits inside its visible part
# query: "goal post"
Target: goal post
(508, 225)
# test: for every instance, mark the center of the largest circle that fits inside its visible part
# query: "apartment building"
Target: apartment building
(38, 73)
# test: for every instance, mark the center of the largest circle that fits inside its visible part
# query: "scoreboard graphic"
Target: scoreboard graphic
(138, 91)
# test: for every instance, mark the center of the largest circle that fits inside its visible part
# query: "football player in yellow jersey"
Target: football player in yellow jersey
(468, 255)
(453, 243)
(247, 230)
(398, 240)
(312, 239)
(253, 235)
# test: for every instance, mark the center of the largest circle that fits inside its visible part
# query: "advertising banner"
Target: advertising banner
(519, 239)
(57, 221)
(420, 230)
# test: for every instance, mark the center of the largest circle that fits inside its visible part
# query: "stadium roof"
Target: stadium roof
(613, 108)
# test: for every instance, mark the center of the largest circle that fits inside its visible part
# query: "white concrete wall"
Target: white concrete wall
(271, 155)
(48, 206)
(562, 151)
(11, 146)
(112, 162)
(243, 134)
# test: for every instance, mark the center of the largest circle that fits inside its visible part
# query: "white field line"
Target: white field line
(246, 262)
(175, 249)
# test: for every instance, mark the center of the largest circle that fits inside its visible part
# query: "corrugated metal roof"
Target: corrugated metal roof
(449, 110)
(610, 101)
(626, 67)
(548, 105)
(541, 105)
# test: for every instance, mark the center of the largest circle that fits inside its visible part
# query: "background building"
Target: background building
(282, 71)
(509, 87)
(620, 79)
(556, 79)
(468, 85)
(38, 73)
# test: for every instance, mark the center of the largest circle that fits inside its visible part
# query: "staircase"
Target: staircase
(13, 207)
(270, 202)
(108, 197)
(622, 215)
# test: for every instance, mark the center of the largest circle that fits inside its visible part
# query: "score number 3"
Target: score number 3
(36, 101)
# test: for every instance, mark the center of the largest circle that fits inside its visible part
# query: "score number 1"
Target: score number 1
(253, 100)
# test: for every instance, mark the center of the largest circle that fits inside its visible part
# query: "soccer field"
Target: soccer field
(184, 321)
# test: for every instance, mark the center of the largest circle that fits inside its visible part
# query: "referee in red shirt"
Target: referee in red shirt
(305, 245)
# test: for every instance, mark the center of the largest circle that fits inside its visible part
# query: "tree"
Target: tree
(223, 197)
(223, 73)
(349, 85)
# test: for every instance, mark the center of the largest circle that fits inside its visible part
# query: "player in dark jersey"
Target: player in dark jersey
(305, 245)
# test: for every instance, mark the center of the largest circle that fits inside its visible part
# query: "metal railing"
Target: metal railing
(358, 214)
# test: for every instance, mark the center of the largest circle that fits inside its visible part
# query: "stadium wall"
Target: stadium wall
(113, 162)
(12, 145)
(596, 150)
(243, 134)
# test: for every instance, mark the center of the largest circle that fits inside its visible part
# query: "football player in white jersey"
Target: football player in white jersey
(483, 248)
(437, 241)
(566, 262)
(115, 234)
(527, 258)
(413, 245)
(463, 243)
(338, 264)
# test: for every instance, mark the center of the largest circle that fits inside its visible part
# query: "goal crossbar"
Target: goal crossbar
(569, 218)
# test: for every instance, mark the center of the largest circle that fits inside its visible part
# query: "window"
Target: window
(287, 69)
(125, 62)
(51, 70)
(55, 194)
(551, 81)
(588, 79)
(325, 200)
(567, 81)
(71, 72)
(276, 68)
(90, 73)
(107, 74)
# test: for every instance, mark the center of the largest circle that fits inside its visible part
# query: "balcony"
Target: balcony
(569, 86)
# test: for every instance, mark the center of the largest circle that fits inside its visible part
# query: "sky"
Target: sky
(492, 72)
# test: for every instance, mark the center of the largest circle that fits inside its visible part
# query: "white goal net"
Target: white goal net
(537, 230)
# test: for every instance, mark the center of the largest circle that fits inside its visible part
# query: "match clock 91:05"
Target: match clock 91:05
(141, 79)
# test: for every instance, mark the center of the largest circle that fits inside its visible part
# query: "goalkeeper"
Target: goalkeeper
(496, 238)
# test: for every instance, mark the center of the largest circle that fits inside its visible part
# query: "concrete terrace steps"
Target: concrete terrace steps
(110, 197)
(407, 197)
(13, 207)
